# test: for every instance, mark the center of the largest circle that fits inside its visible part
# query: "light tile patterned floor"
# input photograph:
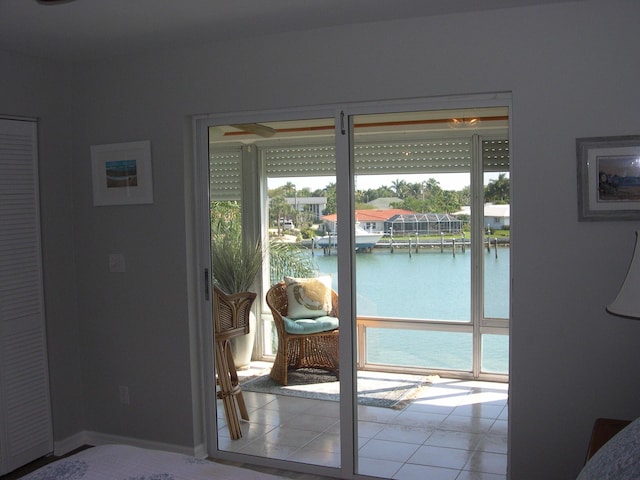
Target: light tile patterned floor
(456, 430)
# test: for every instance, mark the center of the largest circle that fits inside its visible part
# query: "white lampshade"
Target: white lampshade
(627, 303)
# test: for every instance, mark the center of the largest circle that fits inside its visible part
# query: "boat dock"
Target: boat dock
(415, 245)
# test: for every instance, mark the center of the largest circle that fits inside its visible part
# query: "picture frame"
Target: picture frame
(122, 173)
(608, 178)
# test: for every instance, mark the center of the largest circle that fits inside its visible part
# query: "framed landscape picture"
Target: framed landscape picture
(122, 173)
(608, 178)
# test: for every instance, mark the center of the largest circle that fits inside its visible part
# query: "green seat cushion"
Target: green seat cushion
(302, 326)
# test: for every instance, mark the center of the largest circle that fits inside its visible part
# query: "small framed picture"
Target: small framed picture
(122, 173)
(608, 178)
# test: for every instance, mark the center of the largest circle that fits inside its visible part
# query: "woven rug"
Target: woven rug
(377, 389)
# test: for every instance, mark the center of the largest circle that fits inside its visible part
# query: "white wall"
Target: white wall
(41, 90)
(572, 70)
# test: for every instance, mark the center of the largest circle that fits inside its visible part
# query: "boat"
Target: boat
(364, 239)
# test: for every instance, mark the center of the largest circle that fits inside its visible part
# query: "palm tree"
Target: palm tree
(289, 189)
(278, 206)
(399, 187)
(330, 193)
(415, 189)
(497, 191)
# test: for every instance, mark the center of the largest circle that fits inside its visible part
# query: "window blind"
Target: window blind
(225, 173)
(444, 155)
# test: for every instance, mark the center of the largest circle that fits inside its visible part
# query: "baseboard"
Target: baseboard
(62, 447)
(96, 438)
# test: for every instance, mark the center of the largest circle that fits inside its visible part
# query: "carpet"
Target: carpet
(389, 390)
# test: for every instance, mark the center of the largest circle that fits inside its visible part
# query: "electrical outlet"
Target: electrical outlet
(124, 395)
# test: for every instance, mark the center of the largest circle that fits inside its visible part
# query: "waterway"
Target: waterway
(428, 285)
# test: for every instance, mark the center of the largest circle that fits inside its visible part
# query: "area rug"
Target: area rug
(389, 390)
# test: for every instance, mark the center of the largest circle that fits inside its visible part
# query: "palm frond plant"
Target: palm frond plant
(288, 259)
(236, 261)
(235, 264)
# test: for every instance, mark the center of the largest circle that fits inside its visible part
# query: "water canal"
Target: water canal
(432, 285)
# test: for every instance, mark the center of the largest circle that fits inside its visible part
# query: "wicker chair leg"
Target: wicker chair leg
(279, 368)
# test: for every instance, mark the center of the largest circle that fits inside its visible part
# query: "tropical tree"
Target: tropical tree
(374, 193)
(304, 192)
(451, 201)
(330, 193)
(399, 186)
(289, 189)
(278, 208)
(414, 189)
(464, 196)
(288, 259)
(497, 191)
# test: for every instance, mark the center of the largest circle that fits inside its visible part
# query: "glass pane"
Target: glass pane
(496, 260)
(389, 283)
(413, 187)
(294, 222)
(495, 353)
(298, 186)
(496, 279)
(413, 261)
(415, 348)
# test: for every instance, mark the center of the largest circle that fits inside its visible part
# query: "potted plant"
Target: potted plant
(235, 263)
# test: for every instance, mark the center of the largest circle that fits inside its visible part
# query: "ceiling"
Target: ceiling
(381, 127)
(87, 30)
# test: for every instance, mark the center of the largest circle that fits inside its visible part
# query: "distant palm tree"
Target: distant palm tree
(399, 187)
(289, 189)
(497, 191)
(415, 189)
(278, 206)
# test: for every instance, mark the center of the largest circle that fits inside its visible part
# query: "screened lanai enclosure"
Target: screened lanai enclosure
(424, 223)
(451, 154)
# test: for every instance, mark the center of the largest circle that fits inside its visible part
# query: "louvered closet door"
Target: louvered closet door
(25, 413)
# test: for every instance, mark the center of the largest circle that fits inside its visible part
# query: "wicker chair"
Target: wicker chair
(314, 350)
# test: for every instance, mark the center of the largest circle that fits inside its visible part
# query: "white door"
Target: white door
(25, 411)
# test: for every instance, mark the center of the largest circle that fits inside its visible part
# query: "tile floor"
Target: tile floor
(455, 430)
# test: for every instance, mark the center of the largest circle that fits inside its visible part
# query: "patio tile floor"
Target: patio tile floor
(455, 430)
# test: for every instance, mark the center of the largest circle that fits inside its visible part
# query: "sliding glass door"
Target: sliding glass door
(279, 178)
(404, 214)
(421, 246)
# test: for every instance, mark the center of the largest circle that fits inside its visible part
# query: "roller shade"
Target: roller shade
(495, 155)
(225, 173)
(435, 156)
(445, 155)
(300, 161)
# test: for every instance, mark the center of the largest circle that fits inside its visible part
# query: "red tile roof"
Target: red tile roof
(379, 215)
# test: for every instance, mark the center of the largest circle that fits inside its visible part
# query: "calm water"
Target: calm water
(427, 285)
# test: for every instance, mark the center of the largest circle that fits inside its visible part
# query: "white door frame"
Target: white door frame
(343, 115)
